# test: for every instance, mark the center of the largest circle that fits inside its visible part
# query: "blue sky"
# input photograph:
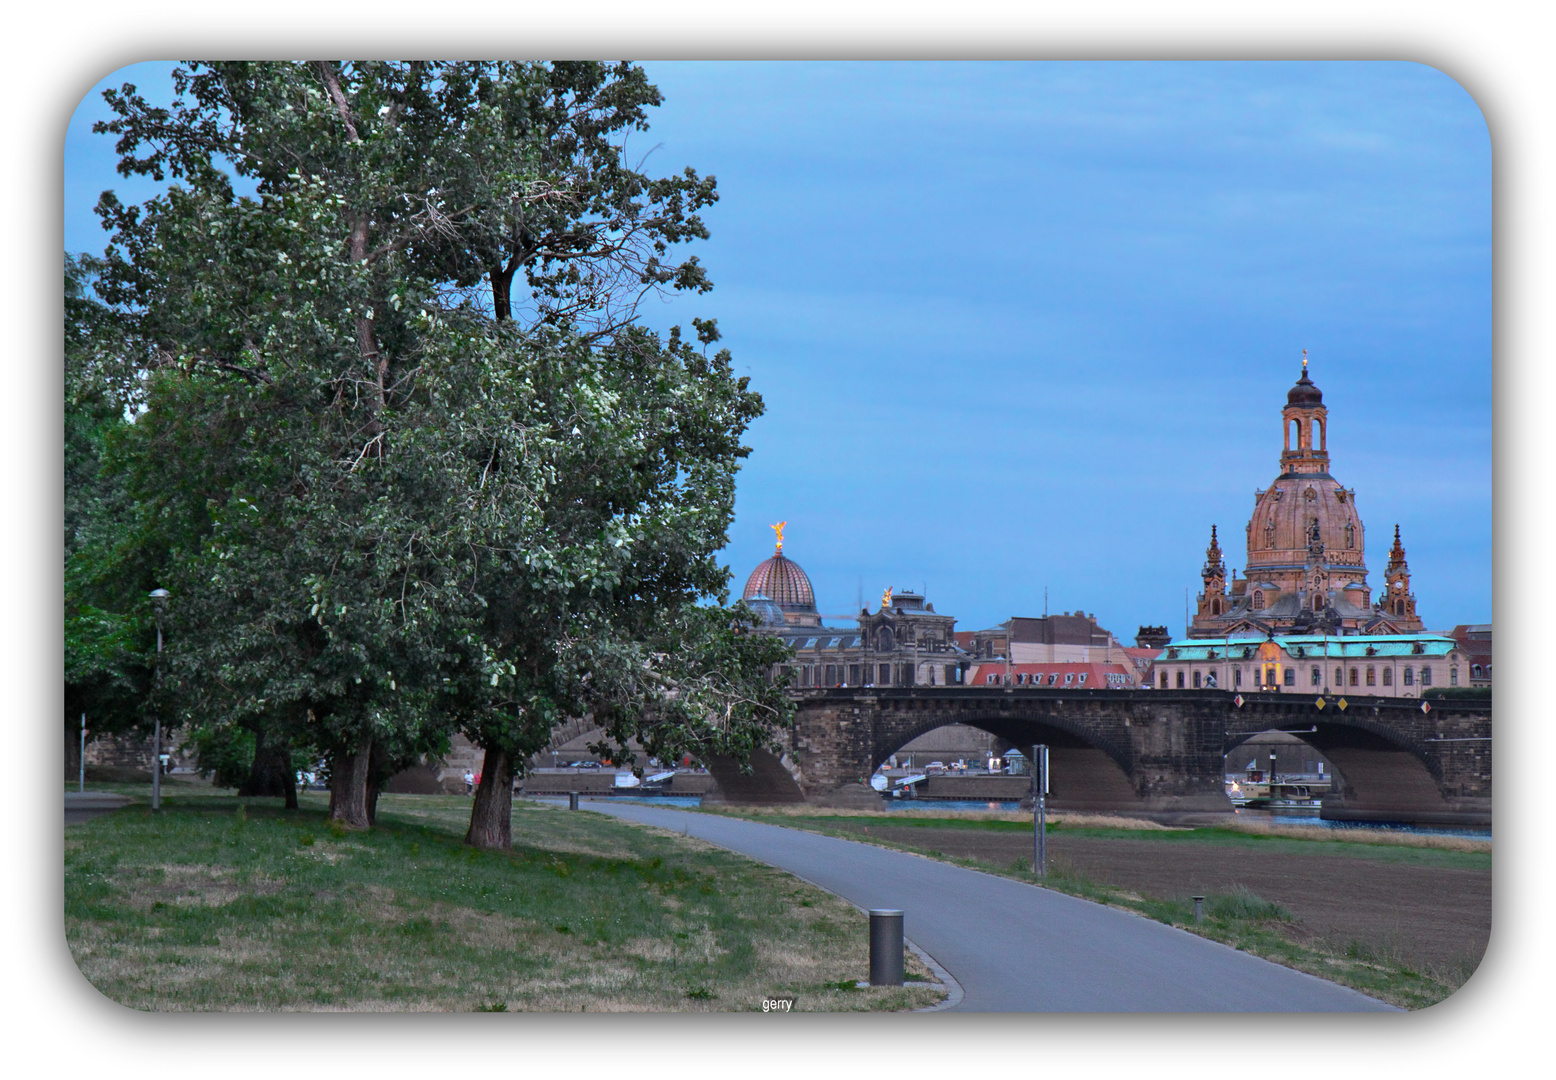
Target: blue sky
(1028, 325)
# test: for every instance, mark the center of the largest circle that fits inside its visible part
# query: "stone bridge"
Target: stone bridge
(1152, 753)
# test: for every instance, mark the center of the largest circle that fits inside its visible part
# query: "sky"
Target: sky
(1025, 329)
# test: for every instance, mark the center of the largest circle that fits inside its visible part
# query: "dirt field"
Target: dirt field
(1431, 916)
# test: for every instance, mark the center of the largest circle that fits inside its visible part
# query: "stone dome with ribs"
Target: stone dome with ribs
(782, 581)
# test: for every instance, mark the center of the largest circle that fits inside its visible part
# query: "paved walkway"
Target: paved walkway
(1017, 948)
(84, 805)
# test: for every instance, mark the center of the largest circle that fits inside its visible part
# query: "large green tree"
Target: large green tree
(391, 508)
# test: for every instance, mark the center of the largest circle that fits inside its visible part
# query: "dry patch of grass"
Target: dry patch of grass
(208, 909)
(1075, 820)
(1384, 837)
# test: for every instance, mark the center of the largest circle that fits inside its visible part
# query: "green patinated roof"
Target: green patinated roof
(1384, 645)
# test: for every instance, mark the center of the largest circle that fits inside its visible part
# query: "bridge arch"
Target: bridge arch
(1376, 765)
(1088, 771)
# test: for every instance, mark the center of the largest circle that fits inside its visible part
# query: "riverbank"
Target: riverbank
(1404, 918)
(221, 903)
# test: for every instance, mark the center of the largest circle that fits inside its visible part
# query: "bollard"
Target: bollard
(885, 947)
(1199, 909)
(572, 800)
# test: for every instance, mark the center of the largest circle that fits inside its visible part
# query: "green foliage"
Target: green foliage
(388, 507)
(225, 753)
(106, 616)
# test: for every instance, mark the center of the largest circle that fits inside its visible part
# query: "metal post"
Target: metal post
(156, 731)
(1199, 909)
(81, 780)
(885, 947)
(1040, 809)
(572, 800)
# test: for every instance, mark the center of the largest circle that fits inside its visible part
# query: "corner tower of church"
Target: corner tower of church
(1306, 568)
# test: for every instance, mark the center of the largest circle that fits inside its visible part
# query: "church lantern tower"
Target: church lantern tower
(1307, 430)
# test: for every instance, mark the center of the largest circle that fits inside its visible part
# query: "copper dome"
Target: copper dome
(783, 581)
(1304, 393)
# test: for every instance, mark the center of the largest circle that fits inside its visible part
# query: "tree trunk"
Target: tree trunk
(502, 292)
(377, 768)
(72, 749)
(491, 818)
(271, 769)
(348, 785)
(291, 787)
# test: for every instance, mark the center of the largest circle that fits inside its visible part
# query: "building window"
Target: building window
(1426, 676)
(1180, 680)
(1237, 676)
(1196, 680)
(1339, 677)
(1354, 677)
(1410, 676)
(1318, 676)
(1474, 671)
(1291, 677)
(988, 680)
(885, 675)
(1258, 600)
(1082, 679)
(883, 641)
(1388, 676)
(1210, 679)
(1069, 678)
(1164, 680)
(1453, 676)
(1372, 676)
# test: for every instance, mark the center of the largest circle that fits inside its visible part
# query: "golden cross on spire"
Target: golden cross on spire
(778, 528)
(1304, 361)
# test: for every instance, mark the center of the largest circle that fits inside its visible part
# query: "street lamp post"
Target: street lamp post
(158, 599)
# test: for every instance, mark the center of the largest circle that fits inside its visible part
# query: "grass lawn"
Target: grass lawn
(221, 903)
(1239, 918)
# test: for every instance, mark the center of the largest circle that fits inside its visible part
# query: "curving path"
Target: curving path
(1017, 948)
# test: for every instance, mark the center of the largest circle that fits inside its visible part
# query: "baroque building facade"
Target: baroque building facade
(1348, 666)
(903, 643)
(1306, 570)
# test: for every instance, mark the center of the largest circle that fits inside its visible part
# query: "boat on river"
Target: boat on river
(1258, 792)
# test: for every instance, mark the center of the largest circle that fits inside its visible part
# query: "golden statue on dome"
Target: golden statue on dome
(778, 528)
(886, 599)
